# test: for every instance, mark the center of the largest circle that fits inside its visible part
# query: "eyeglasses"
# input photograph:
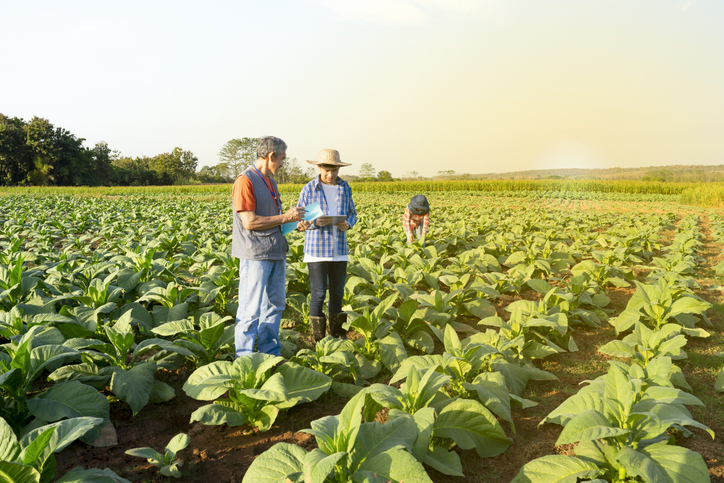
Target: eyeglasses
(280, 158)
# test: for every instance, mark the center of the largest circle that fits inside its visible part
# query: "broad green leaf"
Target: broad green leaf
(210, 381)
(161, 392)
(396, 466)
(318, 465)
(66, 432)
(688, 305)
(444, 461)
(275, 464)
(33, 453)
(93, 475)
(619, 389)
(480, 308)
(556, 469)
(471, 425)
(265, 418)
(148, 453)
(177, 443)
(587, 426)
(392, 351)
(17, 473)
(374, 438)
(69, 400)
(681, 465)
(273, 390)
(216, 414)
(9, 446)
(617, 348)
(134, 386)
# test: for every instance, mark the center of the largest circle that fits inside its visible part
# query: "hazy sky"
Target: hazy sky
(475, 86)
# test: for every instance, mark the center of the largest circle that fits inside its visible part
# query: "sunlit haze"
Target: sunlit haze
(474, 86)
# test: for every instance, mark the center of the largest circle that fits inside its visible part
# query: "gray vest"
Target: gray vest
(258, 244)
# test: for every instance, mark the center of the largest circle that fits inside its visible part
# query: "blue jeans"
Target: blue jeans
(319, 274)
(417, 234)
(261, 303)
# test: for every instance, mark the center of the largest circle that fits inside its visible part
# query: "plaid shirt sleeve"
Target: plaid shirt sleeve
(406, 223)
(425, 223)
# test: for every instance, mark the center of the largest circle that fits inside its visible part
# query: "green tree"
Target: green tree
(366, 170)
(291, 172)
(16, 159)
(384, 176)
(239, 154)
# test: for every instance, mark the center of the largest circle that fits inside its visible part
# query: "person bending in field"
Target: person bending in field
(258, 243)
(325, 243)
(416, 219)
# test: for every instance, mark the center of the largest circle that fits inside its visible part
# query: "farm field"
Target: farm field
(536, 333)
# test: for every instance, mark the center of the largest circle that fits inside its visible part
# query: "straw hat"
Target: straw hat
(329, 157)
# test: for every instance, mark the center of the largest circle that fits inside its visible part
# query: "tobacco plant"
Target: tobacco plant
(255, 394)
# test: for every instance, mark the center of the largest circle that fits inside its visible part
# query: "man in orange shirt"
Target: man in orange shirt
(258, 243)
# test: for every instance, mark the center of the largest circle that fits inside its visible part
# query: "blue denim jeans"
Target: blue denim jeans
(417, 234)
(321, 276)
(261, 303)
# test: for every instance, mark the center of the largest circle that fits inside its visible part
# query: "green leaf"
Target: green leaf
(275, 464)
(374, 438)
(617, 348)
(210, 381)
(17, 473)
(69, 400)
(265, 418)
(318, 465)
(66, 432)
(719, 384)
(688, 305)
(587, 426)
(620, 390)
(480, 308)
(32, 454)
(392, 351)
(273, 390)
(134, 386)
(9, 446)
(395, 466)
(556, 469)
(148, 453)
(681, 465)
(444, 461)
(92, 475)
(216, 414)
(302, 384)
(471, 425)
(179, 442)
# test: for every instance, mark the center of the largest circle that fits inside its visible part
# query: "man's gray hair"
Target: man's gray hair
(270, 144)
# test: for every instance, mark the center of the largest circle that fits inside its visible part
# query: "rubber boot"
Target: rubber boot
(319, 327)
(336, 321)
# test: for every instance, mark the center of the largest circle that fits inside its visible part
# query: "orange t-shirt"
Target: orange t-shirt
(243, 195)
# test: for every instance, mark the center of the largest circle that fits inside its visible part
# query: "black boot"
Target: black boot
(319, 327)
(336, 321)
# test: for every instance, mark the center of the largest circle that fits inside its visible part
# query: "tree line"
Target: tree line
(37, 153)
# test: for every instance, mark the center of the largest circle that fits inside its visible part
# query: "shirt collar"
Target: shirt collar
(317, 184)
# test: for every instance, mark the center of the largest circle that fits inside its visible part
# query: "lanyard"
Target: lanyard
(277, 202)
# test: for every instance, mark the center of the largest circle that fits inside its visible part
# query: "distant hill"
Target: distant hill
(652, 173)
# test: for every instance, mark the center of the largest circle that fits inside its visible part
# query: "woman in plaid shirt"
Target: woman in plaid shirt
(325, 243)
(416, 219)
